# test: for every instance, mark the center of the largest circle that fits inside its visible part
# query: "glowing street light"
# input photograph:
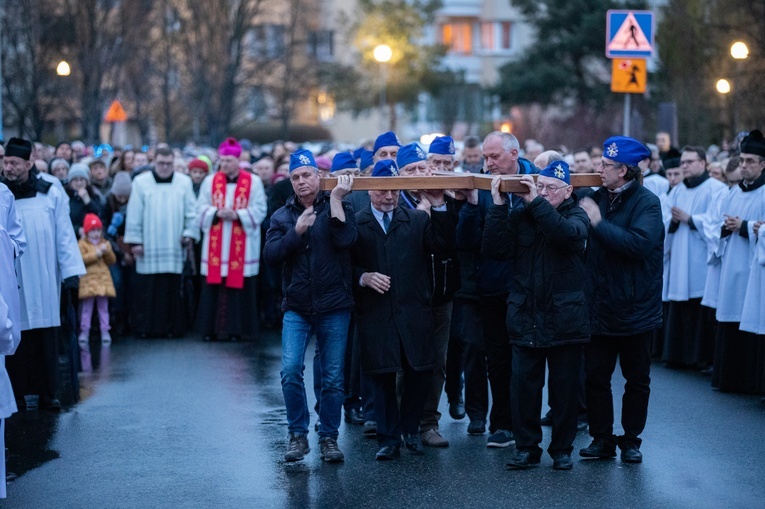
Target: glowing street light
(739, 50)
(62, 69)
(383, 53)
(723, 86)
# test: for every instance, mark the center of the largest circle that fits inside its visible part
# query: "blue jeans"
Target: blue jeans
(331, 331)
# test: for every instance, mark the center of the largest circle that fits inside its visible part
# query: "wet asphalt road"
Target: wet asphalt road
(182, 423)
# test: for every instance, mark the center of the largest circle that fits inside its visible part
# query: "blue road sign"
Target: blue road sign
(630, 34)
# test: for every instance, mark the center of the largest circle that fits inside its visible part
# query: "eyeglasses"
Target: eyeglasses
(163, 163)
(745, 161)
(605, 165)
(688, 161)
(550, 188)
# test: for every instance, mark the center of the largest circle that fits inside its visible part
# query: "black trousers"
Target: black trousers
(392, 419)
(635, 361)
(33, 369)
(526, 391)
(499, 356)
(467, 351)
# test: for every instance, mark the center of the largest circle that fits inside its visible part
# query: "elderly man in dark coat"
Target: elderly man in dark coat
(547, 318)
(393, 305)
(625, 254)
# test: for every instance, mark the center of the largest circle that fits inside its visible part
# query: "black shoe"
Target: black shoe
(370, 429)
(599, 448)
(233, 338)
(631, 453)
(297, 448)
(330, 452)
(477, 427)
(562, 461)
(388, 452)
(523, 460)
(317, 425)
(354, 416)
(414, 444)
(50, 403)
(208, 338)
(457, 409)
(546, 420)
(581, 426)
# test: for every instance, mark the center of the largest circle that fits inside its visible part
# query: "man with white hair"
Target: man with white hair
(500, 153)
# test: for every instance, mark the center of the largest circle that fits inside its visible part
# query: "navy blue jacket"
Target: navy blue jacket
(316, 277)
(493, 277)
(624, 263)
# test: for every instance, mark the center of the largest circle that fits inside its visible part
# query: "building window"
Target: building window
(321, 45)
(496, 36)
(487, 36)
(257, 103)
(266, 41)
(458, 36)
(506, 39)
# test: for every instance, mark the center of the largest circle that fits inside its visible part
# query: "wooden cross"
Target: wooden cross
(451, 180)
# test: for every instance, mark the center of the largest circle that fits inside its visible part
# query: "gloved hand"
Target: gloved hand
(117, 220)
(72, 283)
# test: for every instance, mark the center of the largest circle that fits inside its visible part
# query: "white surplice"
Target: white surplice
(10, 220)
(51, 256)
(251, 217)
(655, 183)
(737, 251)
(158, 216)
(689, 250)
(753, 314)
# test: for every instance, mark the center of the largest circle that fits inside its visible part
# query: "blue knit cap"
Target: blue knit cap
(557, 170)
(409, 154)
(385, 168)
(388, 139)
(442, 145)
(343, 161)
(367, 159)
(625, 150)
(301, 158)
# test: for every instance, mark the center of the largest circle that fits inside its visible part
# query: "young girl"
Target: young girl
(96, 286)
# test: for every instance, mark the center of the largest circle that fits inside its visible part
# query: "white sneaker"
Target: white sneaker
(84, 337)
(106, 337)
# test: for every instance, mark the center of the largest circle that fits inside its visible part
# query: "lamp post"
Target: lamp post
(383, 54)
(739, 51)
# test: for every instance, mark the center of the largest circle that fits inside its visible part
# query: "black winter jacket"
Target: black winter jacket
(492, 276)
(316, 277)
(624, 263)
(546, 305)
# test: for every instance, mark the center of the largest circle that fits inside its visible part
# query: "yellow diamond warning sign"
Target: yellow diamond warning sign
(628, 75)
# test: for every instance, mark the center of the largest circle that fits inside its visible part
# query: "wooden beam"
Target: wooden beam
(448, 180)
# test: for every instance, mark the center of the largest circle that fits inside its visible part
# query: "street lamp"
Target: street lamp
(739, 50)
(723, 86)
(63, 69)
(383, 54)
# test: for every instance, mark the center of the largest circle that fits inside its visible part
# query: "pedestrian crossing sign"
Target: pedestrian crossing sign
(628, 75)
(630, 34)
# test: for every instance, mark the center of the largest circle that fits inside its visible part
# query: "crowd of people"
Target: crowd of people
(408, 293)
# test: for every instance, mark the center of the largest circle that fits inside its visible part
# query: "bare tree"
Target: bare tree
(28, 77)
(105, 35)
(212, 39)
